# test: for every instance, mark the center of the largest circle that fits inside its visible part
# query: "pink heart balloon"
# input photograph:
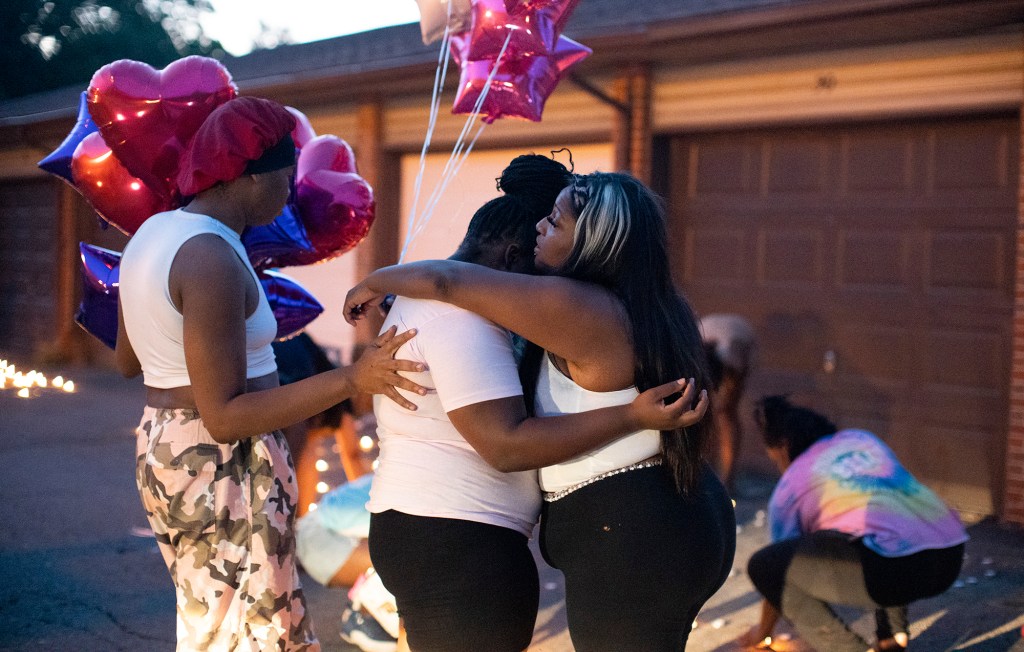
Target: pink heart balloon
(120, 198)
(334, 203)
(148, 116)
(325, 152)
(303, 131)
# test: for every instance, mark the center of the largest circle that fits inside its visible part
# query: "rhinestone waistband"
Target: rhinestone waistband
(552, 496)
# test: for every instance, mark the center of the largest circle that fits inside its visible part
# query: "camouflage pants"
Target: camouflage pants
(223, 515)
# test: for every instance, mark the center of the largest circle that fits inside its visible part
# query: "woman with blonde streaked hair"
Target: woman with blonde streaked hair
(641, 527)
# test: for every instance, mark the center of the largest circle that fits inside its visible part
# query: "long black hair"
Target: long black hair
(621, 244)
(784, 425)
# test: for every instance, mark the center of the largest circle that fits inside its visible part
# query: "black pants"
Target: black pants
(639, 559)
(460, 586)
(802, 576)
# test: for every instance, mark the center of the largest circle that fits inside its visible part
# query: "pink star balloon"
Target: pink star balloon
(520, 86)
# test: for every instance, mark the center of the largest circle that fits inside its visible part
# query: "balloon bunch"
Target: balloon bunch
(123, 156)
(512, 51)
(511, 54)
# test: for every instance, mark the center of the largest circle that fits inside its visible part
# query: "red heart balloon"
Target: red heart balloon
(334, 203)
(148, 116)
(120, 198)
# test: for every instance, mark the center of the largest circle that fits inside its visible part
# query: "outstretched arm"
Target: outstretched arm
(209, 282)
(759, 636)
(547, 310)
(503, 435)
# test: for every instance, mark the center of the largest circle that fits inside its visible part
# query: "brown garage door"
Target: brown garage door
(876, 262)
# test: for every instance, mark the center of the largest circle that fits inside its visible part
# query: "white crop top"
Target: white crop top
(154, 324)
(557, 394)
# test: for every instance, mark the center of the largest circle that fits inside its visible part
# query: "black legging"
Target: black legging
(460, 586)
(802, 576)
(639, 559)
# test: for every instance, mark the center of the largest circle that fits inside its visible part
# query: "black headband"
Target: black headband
(277, 157)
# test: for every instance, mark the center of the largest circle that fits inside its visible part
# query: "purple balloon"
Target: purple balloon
(97, 313)
(294, 307)
(58, 162)
(281, 243)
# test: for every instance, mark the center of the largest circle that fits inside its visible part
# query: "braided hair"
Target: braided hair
(530, 184)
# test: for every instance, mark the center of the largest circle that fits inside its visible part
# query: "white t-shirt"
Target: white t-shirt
(426, 467)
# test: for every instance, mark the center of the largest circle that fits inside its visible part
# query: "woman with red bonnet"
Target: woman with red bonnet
(213, 469)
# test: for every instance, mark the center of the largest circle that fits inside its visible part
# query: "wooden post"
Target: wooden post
(631, 130)
(382, 170)
(622, 133)
(640, 122)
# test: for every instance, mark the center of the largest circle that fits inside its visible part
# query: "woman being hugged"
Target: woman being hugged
(213, 468)
(641, 528)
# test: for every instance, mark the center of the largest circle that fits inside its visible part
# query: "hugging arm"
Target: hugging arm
(546, 310)
(208, 281)
(507, 439)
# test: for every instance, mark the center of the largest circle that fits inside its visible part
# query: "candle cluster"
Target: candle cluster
(27, 384)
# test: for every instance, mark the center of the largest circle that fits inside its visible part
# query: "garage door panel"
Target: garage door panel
(966, 360)
(715, 255)
(877, 261)
(967, 261)
(878, 164)
(723, 167)
(972, 160)
(796, 167)
(875, 351)
(794, 341)
(790, 257)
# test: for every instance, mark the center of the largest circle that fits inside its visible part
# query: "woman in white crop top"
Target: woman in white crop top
(213, 468)
(642, 529)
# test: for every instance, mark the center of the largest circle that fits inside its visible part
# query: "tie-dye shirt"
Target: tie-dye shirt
(851, 482)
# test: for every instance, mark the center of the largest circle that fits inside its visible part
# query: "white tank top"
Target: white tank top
(557, 394)
(154, 324)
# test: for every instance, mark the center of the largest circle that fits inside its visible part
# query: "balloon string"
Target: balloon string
(443, 57)
(460, 153)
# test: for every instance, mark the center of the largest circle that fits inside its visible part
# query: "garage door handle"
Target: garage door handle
(829, 363)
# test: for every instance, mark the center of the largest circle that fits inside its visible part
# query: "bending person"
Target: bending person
(732, 340)
(850, 526)
(640, 526)
(213, 467)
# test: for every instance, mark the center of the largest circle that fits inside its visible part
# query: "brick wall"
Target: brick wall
(1013, 496)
